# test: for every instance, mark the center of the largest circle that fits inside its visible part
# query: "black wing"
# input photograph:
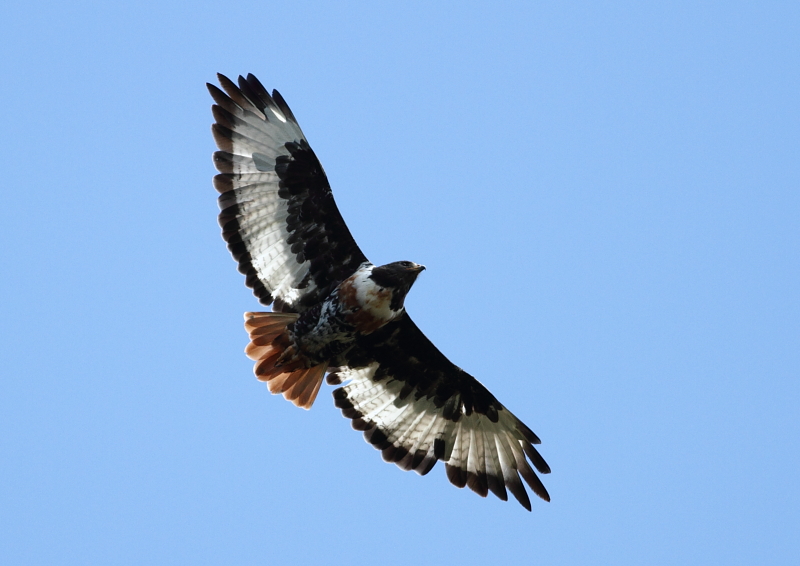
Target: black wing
(417, 407)
(277, 210)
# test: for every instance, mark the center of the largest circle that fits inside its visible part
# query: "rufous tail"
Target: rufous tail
(270, 345)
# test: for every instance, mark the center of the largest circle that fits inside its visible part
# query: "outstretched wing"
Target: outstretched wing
(417, 407)
(277, 210)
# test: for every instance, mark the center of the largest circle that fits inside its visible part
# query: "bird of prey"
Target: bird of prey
(335, 313)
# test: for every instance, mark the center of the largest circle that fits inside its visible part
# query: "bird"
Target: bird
(335, 314)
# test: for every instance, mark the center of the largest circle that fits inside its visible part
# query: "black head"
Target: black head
(398, 276)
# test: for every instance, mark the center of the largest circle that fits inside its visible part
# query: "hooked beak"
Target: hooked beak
(417, 268)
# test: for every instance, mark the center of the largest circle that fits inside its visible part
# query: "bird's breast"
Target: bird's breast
(367, 304)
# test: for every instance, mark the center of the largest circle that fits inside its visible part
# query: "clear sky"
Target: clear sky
(606, 195)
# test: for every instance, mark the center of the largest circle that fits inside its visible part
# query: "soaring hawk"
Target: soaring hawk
(335, 312)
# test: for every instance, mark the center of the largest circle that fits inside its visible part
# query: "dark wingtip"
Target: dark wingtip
(518, 491)
(541, 466)
(529, 435)
(225, 82)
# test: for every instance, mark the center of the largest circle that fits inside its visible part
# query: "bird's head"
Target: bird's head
(398, 276)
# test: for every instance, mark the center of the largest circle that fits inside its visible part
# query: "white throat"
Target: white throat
(372, 297)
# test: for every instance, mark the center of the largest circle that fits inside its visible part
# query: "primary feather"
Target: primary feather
(335, 312)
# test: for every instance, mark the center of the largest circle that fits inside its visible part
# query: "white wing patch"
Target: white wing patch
(479, 453)
(256, 142)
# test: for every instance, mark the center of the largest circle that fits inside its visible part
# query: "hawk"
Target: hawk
(335, 313)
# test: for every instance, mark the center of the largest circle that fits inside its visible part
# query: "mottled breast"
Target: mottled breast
(367, 304)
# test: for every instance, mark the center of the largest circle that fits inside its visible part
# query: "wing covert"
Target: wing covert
(278, 214)
(417, 407)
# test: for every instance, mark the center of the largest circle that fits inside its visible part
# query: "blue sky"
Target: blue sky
(606, 196)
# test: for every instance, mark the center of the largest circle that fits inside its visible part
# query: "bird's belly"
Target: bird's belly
(330, 335)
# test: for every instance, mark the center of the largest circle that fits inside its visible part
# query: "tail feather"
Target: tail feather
(265, 365)
(275, 382)
(255, 352)
(268, 345)
(285, 381)
(261, 322)
(305, 391)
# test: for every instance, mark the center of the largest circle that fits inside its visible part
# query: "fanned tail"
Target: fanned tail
(277, 363)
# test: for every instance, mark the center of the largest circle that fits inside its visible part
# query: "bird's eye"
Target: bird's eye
(405, 263)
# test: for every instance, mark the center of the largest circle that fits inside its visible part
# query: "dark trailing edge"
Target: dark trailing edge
(405, 354)
(317, 231)
(264, 161)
